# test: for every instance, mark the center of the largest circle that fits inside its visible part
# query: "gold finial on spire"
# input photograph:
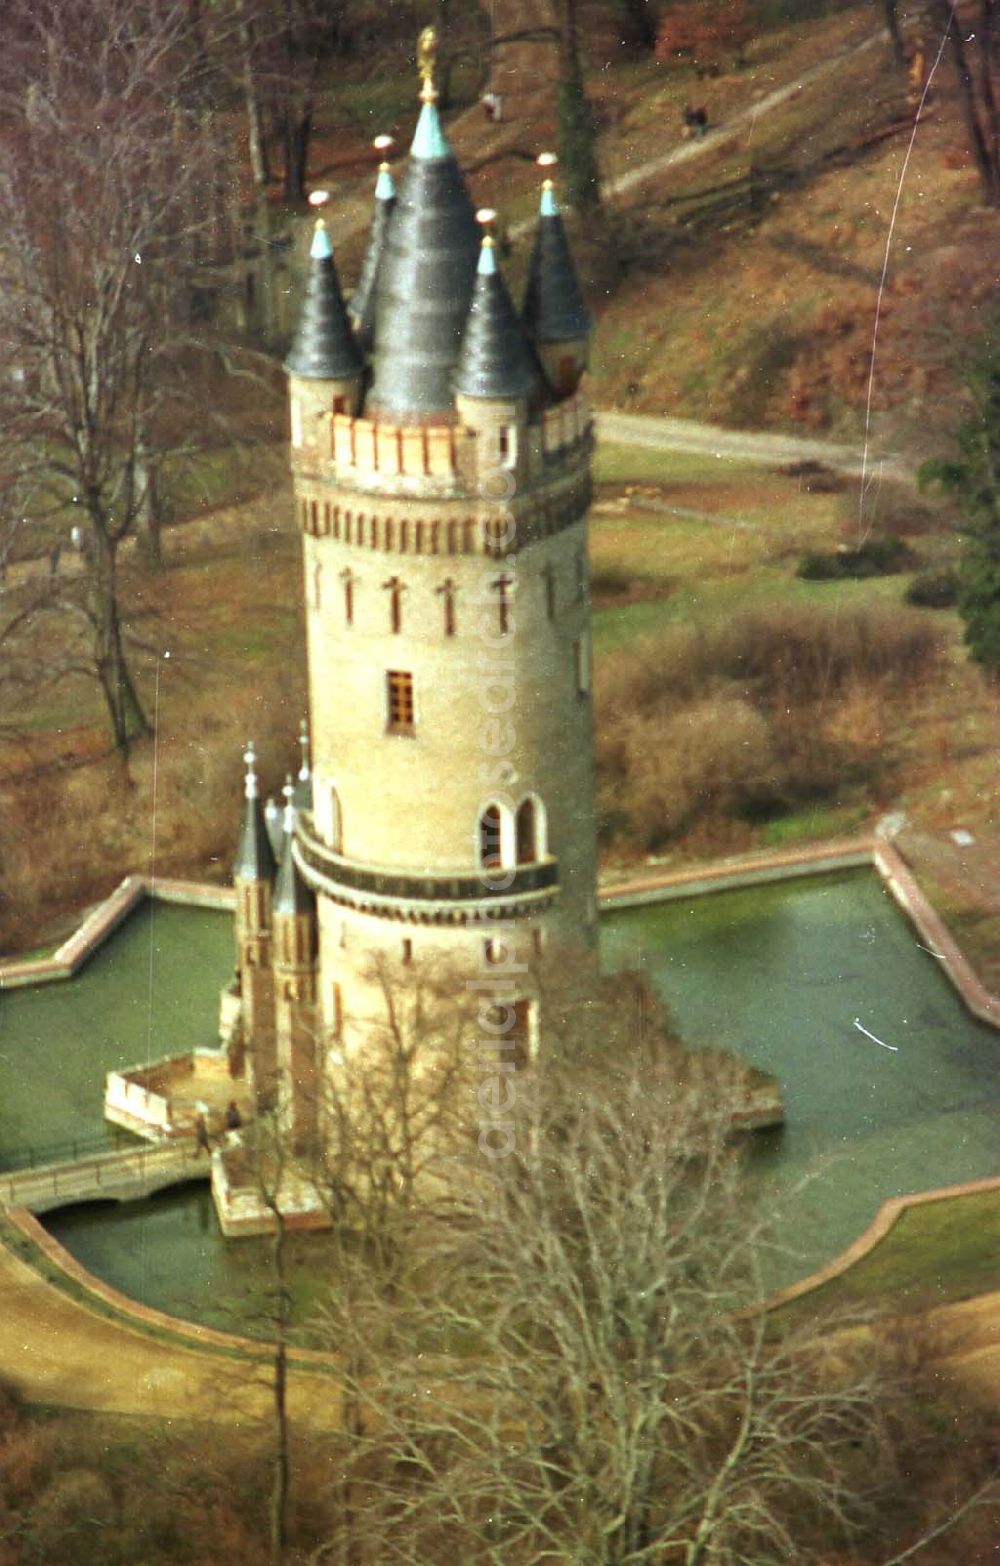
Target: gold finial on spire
(427, 63)
(383, 146)
(547, 161)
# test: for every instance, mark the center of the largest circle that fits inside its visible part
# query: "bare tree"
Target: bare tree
(101, 211)
(890, 10)
(395, 1108)
(590, 1386)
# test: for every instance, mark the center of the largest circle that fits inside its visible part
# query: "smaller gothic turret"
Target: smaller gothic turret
(362, 304)
(253, 874)
(294, 957)
(498, 379)
(554, 313)
(325, 364)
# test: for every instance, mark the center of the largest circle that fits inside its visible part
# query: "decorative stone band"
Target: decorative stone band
(516, 523)
(423, 899)
(443, 459)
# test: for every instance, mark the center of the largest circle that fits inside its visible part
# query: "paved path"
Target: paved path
(761, 450)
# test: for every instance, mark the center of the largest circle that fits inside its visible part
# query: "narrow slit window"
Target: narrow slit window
(348, 580)
(447, 592)
(526, 833)
(395, 588)
(502, 587)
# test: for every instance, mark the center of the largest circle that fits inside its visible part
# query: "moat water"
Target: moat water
(787, 975)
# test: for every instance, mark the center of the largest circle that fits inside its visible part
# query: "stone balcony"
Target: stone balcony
(424, 897)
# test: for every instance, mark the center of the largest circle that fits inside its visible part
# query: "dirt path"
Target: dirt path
(57, 1350)
(739, 123)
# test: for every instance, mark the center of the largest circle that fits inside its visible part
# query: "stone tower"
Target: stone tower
(440, 454)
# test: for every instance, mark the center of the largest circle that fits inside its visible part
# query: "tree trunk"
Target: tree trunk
(260, 171)
(643, 22)
(984, 155)
(282, 1458)
(125, 712)
(989, 58)
(297, 129)
(895, 33)
(577, 135)
(147, 507)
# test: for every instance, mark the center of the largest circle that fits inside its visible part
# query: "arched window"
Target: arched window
(526, 848)
(530, 831)
(490, 838)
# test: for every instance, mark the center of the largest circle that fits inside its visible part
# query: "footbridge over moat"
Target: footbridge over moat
(119, 1175)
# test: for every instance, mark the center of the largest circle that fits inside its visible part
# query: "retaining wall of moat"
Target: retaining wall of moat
(634, 891)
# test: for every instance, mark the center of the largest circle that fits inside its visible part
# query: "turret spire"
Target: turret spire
(496, 361)
(554, 311)
(254, 855)
(324, 347)
(291, 895)
(362, 305)
(425, 274)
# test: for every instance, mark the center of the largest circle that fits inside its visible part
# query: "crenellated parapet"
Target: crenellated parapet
(446, 460)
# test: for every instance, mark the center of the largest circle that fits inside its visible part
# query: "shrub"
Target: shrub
(818, 567)
(933, 590)
(746, 719)
(877, 556)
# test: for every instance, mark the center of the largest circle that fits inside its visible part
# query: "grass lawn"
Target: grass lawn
(937, 1252)
(739, 551)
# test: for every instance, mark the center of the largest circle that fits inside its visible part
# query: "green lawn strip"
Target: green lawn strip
(36, 1258)
(815, 822)
(622, 464)
(935, 1253)
(723, 598)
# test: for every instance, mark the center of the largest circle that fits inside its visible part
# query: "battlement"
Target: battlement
(442, 459)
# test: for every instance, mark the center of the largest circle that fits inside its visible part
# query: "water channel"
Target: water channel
(780, 973)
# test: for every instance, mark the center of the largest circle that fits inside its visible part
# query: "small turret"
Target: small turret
(496, 362)
(325, 364)
(498, 378)
(254, 856)
(362, 305)
(294, 918)
(555, 315)
(253, 874)
(291, 895)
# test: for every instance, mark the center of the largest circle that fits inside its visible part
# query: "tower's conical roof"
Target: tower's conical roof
(362, 305)
(425, 279)
(324, 347)
(254, 855)
(496, 359)
(554, 311)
